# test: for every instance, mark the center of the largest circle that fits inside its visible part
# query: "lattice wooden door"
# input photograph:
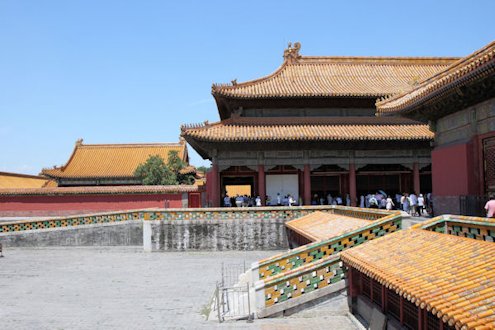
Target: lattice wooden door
(489, 163)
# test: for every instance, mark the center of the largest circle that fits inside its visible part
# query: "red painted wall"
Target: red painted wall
(78, 204)
(455, 169)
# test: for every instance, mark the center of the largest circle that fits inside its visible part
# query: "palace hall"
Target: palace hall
(310, 129)
(110, 164)
(459, 105)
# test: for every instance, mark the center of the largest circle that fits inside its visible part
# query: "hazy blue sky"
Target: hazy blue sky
(134, 71)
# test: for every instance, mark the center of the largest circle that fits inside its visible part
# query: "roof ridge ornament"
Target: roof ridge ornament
(79, 142)
(291, 53)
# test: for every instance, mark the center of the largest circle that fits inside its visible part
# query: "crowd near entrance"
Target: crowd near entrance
(385, 186)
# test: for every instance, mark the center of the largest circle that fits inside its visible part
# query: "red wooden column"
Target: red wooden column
(417, 189)
(261, 183)
(307, 184)
(215, 185)
(352, 184)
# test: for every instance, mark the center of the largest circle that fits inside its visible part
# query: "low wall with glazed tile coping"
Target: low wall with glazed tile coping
(201, 214)
(169, 229)
(471, 227)
(282, 288)
(384, 223)
(314, 269)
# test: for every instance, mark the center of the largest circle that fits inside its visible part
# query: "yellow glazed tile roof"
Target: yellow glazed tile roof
(313, 129)
(319, 225)
(451, 276)
(15, 180)
(100, 190)
(319, 76)
(471, 68)
(111, 160)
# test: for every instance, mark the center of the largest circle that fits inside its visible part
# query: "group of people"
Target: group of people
(331, 200)
(415, 205)
(241, 201)
(248, 201)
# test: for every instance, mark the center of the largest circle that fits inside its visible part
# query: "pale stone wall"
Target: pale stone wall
(461, 126)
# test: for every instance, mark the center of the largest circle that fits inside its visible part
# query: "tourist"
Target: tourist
(361, 201)
(390, 204)
(339, 200)
(429, 204)
(379, 198)
(315, 200)
(413, 199)
(279, 199)
(398, 197)
(347, 200)
(421, 204)
(226, 201)
(383, 203)
(329, 199)
(258, 201)
(238, 201)
(490, 207)
(373, 202)
(291, 200)
(367, 200)
(405, 203)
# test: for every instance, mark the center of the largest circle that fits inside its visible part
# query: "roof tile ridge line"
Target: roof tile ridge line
(395, 58)
(203, 125)
(435, 87)
(442, 73)
(129, 145)
(217, 87)
(22, 175)
(322, 120)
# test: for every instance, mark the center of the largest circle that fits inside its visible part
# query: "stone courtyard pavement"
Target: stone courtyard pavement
(125, 288)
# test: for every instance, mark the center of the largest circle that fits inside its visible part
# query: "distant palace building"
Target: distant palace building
(98, 178)
(110, 164)
(459, 105)
(310, 128)
(16, 180)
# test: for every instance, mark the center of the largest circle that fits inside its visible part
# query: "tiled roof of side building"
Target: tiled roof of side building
(311, 76)
(319, 225)
(17, 180)
(112, 160)
(307, 129)
(471, 68)
(452, 277)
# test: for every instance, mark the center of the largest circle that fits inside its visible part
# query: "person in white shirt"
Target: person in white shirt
(329, 199)
(291, 201)
(361, 201)
(414, 203)
(390, 204)
(421, 204)
(279, 199)
(258, 201)
(373, 202)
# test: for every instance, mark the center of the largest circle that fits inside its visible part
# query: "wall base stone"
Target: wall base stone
(127, 233)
